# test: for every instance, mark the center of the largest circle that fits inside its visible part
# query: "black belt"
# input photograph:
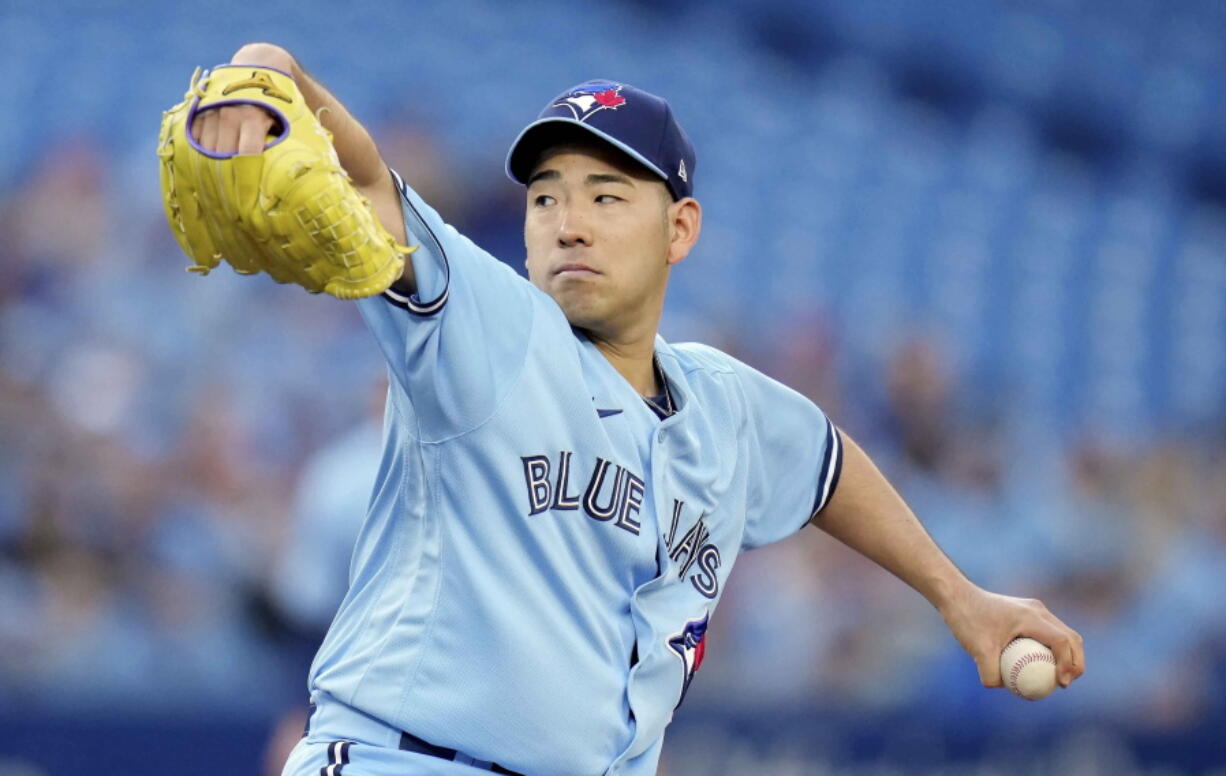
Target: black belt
(411, 743)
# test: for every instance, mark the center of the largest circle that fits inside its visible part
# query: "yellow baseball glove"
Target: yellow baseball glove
(290, 211)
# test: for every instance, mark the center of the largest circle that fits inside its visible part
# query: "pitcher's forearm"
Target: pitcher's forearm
(868, 515)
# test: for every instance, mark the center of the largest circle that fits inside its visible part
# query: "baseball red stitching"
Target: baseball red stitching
(1024, 661)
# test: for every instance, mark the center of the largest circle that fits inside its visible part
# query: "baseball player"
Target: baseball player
(563, 494)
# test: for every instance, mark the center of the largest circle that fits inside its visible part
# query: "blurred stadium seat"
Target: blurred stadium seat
(1028, 189)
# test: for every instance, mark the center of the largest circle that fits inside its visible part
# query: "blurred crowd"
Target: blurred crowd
(164, 468)
(1125, 542)
(1009, 288)
(186, 462)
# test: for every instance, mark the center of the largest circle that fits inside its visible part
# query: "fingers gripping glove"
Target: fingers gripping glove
(290, 211)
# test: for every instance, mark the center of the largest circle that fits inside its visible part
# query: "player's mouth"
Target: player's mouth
(574, 269)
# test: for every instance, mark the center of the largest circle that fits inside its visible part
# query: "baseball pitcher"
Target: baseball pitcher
(562, 493)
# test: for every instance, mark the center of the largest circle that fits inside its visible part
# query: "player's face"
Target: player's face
(600, 237)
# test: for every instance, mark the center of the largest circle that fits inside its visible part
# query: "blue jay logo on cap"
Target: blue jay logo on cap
(592, 97)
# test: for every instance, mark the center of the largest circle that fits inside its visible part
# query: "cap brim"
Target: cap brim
(527, 148)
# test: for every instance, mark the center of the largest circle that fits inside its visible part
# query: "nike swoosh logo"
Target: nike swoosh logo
(607, 413)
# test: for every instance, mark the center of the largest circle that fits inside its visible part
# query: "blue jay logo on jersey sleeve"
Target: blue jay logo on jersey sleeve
(690, 645)
(589, 98)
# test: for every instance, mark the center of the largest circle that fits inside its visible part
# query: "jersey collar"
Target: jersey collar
(670, 366)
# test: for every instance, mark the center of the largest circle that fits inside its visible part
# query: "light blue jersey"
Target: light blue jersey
(543, 553)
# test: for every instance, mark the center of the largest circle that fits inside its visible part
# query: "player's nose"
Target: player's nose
(574, 229)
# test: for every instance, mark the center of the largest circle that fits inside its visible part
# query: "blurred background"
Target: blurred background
(989, 238)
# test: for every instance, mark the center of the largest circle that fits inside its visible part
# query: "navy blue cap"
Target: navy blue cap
(636, 122)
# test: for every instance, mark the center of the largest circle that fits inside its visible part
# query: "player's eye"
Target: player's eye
(543, 200)
(607, 199)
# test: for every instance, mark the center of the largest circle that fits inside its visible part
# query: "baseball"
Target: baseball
(1028, 669)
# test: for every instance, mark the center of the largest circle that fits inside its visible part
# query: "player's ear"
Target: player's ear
(684, 226)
